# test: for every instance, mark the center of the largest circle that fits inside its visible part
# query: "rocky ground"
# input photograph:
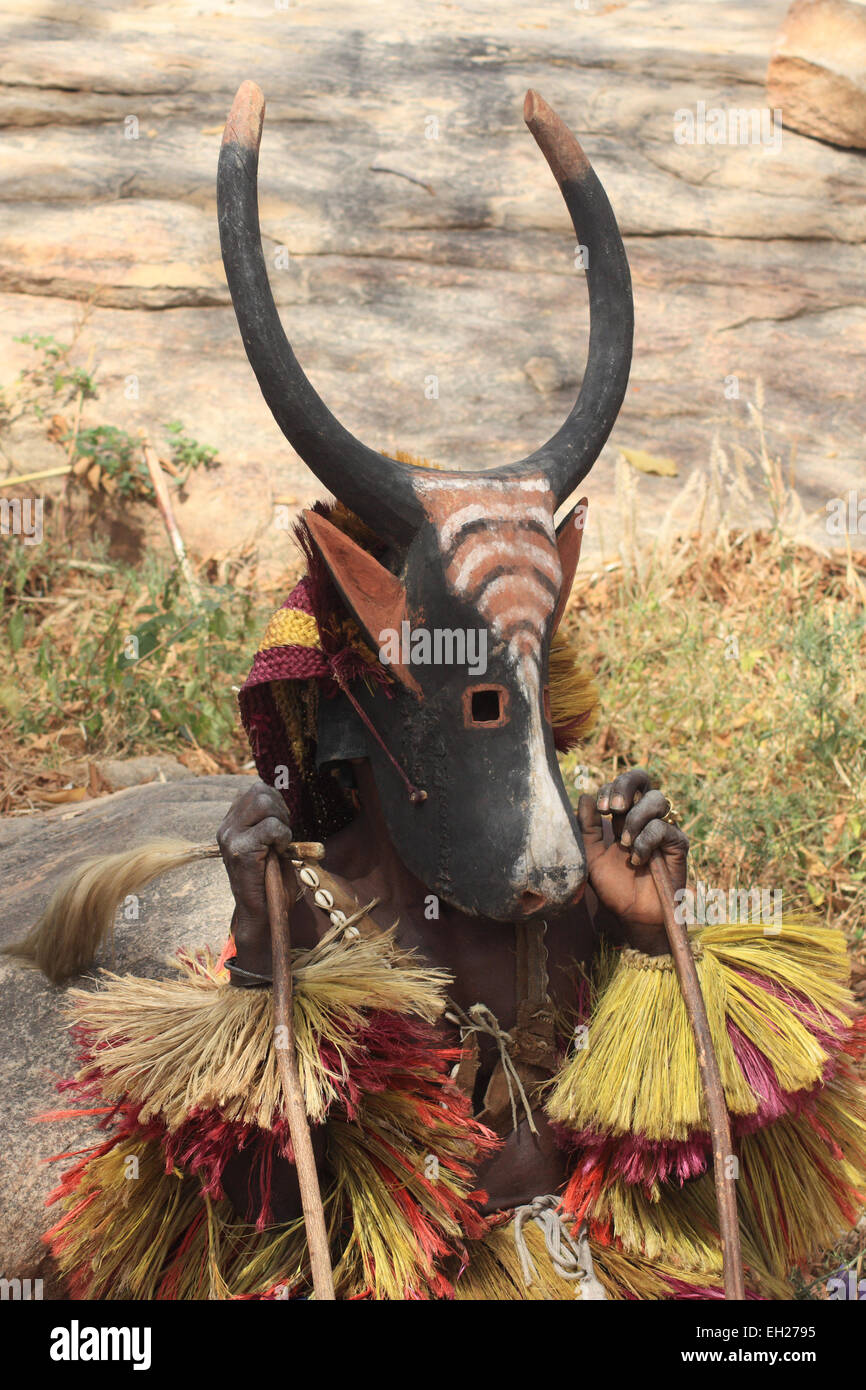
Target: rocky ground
(397, 257)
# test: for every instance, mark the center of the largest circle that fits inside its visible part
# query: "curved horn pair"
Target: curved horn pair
(379, 489)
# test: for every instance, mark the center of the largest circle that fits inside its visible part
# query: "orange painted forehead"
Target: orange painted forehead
(498, 544)
(450, 502)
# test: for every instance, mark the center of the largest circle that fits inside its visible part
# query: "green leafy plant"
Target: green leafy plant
(102, 456)
(49, 383)
(118, 457)
(187, 454)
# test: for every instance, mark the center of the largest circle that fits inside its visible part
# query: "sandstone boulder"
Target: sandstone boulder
(817, 74)
(191, 907)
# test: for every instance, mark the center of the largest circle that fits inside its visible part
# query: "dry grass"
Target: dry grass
(732, 663)
(70, 693)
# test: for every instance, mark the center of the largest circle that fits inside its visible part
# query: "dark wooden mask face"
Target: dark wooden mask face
(465, 628)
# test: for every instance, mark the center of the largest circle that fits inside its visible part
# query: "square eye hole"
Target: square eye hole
(485, 706)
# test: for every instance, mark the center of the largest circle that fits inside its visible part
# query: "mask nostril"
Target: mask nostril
(532, 902)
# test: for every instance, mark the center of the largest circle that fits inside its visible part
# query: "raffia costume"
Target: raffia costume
(180, 1074)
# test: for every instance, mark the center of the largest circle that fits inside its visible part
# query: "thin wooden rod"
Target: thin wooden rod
(711, 1080)
(279, 906)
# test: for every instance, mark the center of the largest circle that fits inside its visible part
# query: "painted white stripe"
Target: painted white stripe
(477, 511)
(551, 843)
(426, 483)
(520, 642)
(535, 601)
(489, 553)
(520, 613)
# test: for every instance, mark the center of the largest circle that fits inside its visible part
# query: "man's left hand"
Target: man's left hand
(619, 867)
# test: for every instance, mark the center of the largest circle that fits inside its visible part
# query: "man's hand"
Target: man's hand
(257, 820)
(618, 869)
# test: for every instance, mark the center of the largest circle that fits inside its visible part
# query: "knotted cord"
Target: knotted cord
(482, 1020)
(570, 1257)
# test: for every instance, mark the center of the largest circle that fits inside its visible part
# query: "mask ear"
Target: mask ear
(569, 537)
(375, 597)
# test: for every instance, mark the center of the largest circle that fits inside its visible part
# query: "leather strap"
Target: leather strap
(246, 979)
(532, 981)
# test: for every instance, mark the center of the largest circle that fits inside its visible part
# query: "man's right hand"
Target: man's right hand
(257, 821)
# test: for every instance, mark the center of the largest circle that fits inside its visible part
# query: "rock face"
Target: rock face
(417, 245)
(191, 907)
(120, 773)
(817, 73)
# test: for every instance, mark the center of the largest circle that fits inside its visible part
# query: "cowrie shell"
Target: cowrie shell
(352, 933)
(323, 898)
(338, 918)
(309, 877)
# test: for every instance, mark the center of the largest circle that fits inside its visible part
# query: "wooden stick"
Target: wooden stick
(279, 906)
(297, 849)
(163, 501)
(711, 1080)
(15, 478)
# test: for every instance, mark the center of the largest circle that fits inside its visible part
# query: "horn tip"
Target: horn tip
(532, 105)
(246, 118)
(553, 137)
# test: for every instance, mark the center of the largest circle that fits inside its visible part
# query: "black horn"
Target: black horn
(377, 488)
(380, 489)
(569, 454)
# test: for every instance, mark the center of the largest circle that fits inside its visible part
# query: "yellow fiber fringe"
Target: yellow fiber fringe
(573, 690)
(792, 1196)
(176, 1046)
(127, 1232)
(638, 1072)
